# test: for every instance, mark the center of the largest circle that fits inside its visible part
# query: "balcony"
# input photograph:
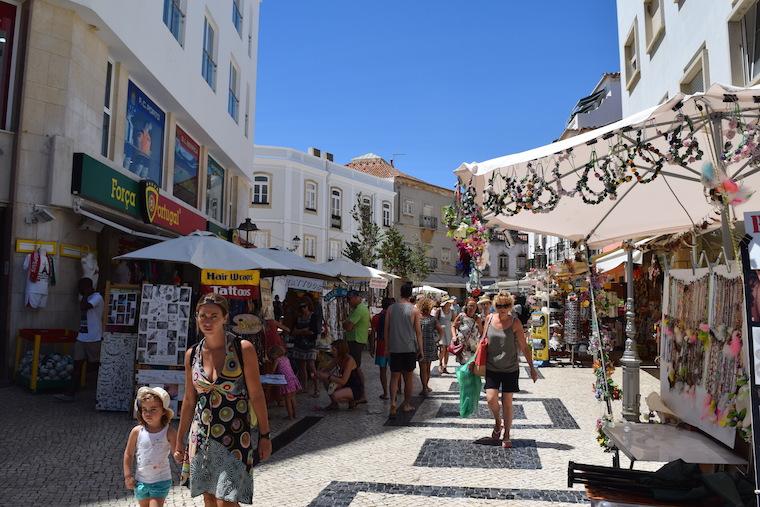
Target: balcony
(336, 222)
(427, 222)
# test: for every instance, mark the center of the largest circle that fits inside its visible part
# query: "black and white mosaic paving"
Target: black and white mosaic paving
(440, 452)
(483, 412)
(341, 494)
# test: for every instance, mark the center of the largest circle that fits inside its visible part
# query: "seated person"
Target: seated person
(344, 377)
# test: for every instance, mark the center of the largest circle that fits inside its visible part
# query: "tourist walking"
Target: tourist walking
(505, 336)
(403, 335)
(444, 316)
(431, 330)
(381, 360)
(357, 331)
(150, 444)
(467, 329)
(304, 334)
(222, 385)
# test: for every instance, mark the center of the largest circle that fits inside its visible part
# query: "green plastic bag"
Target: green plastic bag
(469, 389)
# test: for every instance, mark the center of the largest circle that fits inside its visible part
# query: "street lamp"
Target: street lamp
(248, 227)
(296, 241)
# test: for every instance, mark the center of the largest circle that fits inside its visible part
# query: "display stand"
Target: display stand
(38, 339)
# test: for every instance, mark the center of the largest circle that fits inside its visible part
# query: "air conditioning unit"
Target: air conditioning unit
(315, 152)
(329, 156)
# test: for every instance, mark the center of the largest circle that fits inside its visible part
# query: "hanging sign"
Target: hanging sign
(97, 182)
(243, 284)
(378, 283)
(157, 209)
(307, 284)
(336, 293)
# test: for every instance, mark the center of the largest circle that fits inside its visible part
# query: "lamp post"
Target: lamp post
(630, 359)
(296, 241)
(248, 227)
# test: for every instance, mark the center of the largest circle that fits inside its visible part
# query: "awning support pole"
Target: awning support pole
(630, 360)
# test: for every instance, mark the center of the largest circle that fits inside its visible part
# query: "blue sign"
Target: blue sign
(144, 136)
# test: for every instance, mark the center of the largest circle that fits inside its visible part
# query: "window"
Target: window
(215, 190)
(7, 58)
(250, 33)
(744, 41)
(208, 68)
(386, 214)
(233, 102)
(247, 124)
(336, 208)
(631, 55)
(654, 24)
(174, 19)
(261, 238)
(367, 201)
(186, 159)
(335, 248)
(105, 139)
(695, 77)
(237, 15)
(261, 189)
(504, 264)
(408, 208)
(522, 262)
(310, 196)
(432, 263)
(309, 246)
(446, 255)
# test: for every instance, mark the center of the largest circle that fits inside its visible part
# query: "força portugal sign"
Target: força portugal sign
(231, 284)
(161, 211)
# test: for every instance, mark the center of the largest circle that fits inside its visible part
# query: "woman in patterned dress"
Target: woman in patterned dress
(224, 399)
(467, 327)
(431, 332)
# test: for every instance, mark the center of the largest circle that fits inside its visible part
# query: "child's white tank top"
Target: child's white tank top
(153, 451)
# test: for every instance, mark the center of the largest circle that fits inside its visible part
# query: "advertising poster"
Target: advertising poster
(186, 158)
(121, 307)
(143, 136)
(172, 381)
(116, 373)
(215, 190)
(163, 325)
(267, 308)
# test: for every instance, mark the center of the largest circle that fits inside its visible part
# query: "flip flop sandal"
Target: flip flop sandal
(496, 433)
(506, 443)
(384, 397)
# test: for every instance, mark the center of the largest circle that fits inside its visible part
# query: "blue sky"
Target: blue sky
(440, 81)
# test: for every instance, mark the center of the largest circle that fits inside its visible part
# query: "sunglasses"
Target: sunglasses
(502, 306)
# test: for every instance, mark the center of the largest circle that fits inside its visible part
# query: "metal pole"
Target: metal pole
(630, 359)
(725, 233)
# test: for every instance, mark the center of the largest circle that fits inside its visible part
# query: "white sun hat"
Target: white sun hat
(161, 393)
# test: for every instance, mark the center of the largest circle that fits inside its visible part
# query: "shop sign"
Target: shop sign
(143, 136)
(159, 210)
(97, 182)
(378, 283)
(219, 231)
(307, 284)
(243, 284)
(340, 292)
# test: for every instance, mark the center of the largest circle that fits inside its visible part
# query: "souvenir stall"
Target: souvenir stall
(670, 169)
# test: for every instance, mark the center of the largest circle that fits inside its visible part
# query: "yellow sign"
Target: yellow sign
(225, 277)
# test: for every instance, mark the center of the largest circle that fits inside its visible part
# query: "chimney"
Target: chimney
(392, 163)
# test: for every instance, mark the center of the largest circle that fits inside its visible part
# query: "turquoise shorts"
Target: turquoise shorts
(145, 490)
(381, 361)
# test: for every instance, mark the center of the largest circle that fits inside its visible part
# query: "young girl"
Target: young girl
(150, 441)
(283, 367)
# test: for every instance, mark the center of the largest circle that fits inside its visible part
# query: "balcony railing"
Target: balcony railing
(336, 221)
(428, 222)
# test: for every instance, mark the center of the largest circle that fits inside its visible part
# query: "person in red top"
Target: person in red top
(381, 360)
(272, 337)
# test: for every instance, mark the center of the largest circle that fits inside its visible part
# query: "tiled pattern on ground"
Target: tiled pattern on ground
(483, 412)
(341, 494)
(439, 452)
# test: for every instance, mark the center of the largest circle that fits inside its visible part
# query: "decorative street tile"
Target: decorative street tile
(438, 452)
(452, 410)
(341, 494)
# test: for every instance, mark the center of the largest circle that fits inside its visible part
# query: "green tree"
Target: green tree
(394, 253)
(363, 247)
(419, 267)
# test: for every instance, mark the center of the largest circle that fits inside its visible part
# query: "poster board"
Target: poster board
(701, 364)
(265, 290)
(173, 381)
(163, 325)
(121, 305)
(116, 373)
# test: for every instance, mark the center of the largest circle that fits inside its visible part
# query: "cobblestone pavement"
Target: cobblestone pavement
(57, 454)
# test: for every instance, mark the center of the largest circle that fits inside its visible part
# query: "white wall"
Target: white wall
(696, 22)
(171, 73)
(286, 217)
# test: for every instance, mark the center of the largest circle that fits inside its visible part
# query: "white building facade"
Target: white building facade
(507, 255)
(668, 47)
(101, 98)
(310, 197)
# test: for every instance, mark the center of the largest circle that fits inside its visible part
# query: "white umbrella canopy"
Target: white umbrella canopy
(344, 268)
(292, 263)
(204, 250)
(645, 171)
(427, 289)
